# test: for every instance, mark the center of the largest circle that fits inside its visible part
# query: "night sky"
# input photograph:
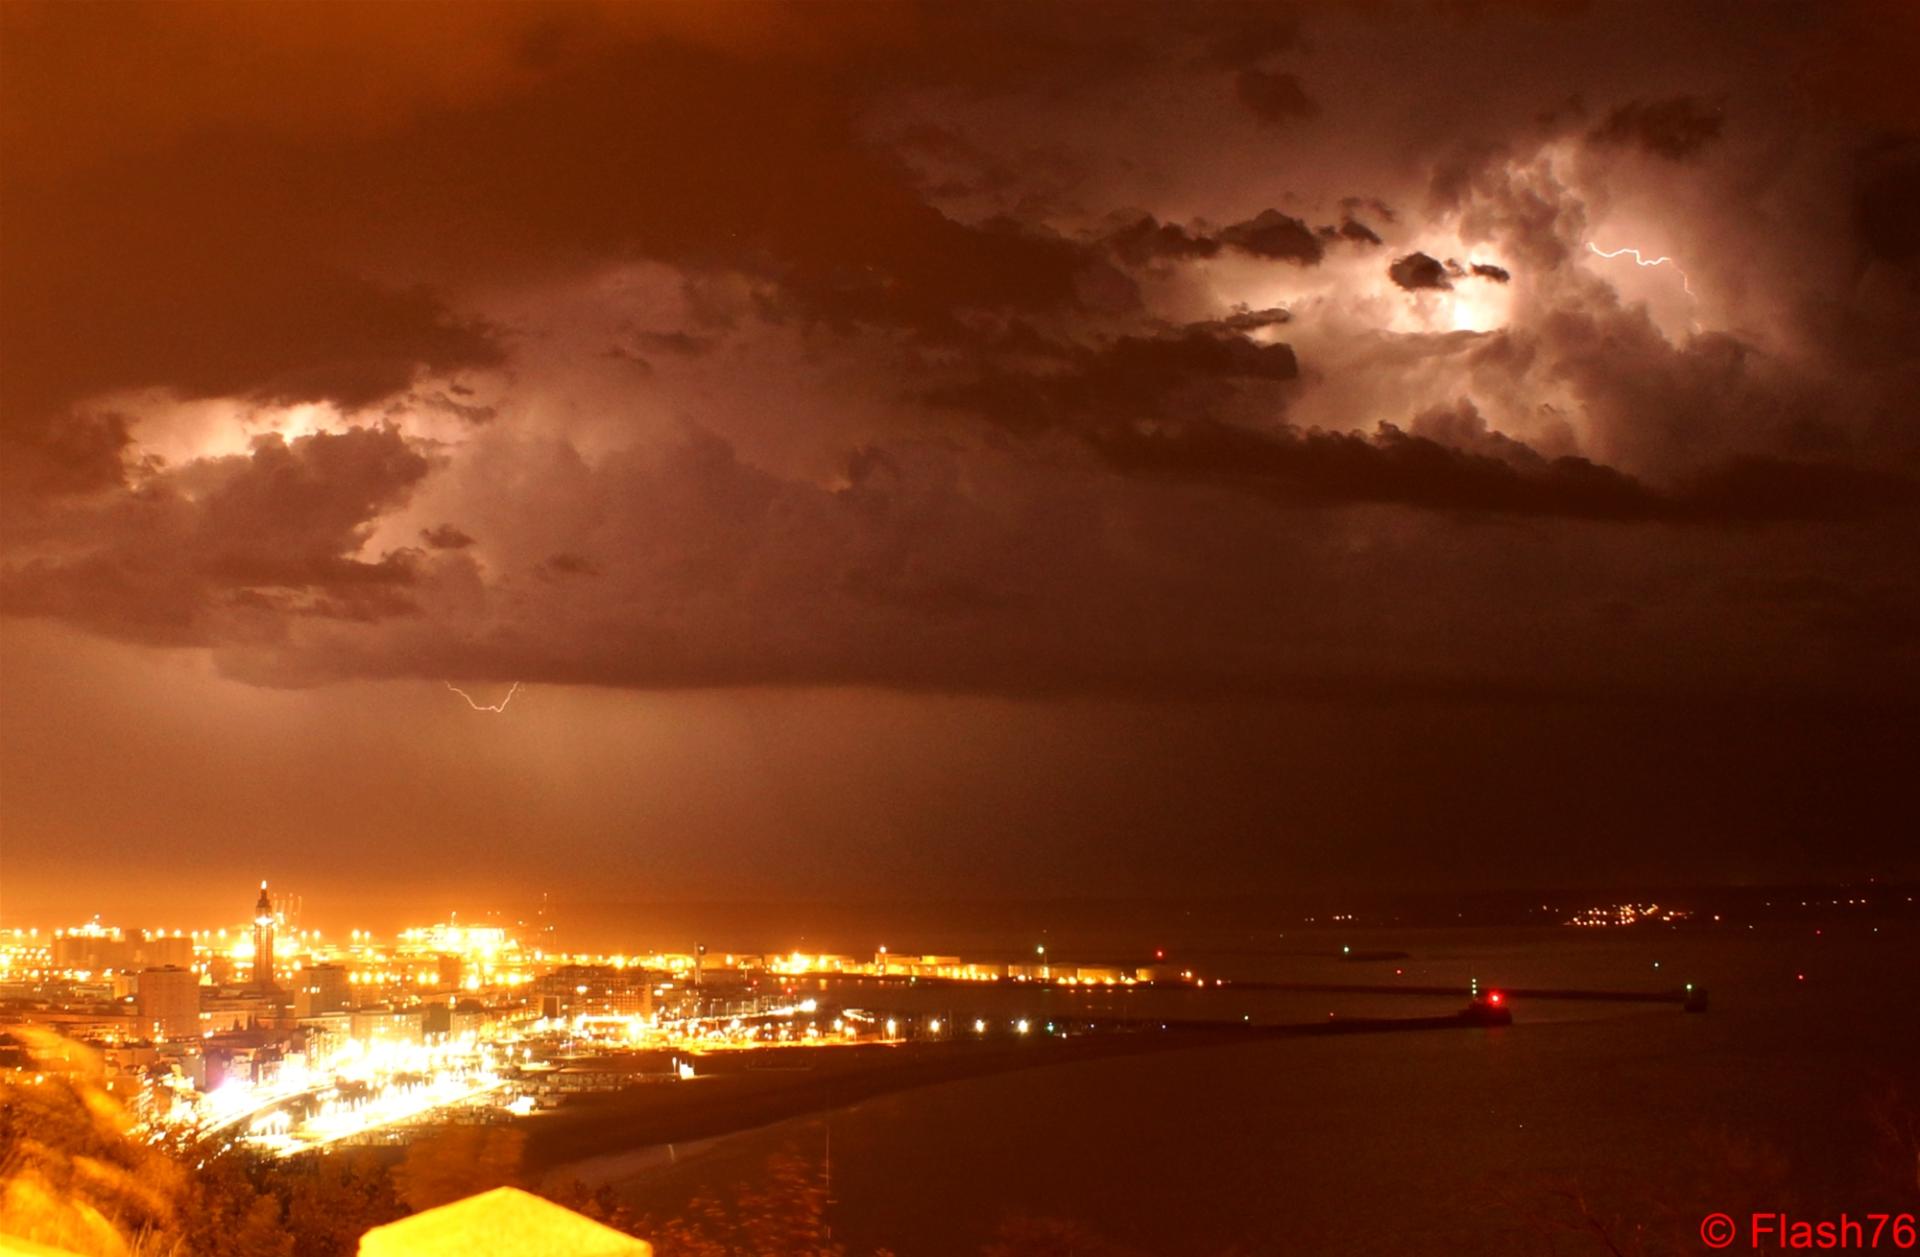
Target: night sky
(952, 450)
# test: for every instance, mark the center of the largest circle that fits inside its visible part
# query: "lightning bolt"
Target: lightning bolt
(1640, 261)
(492, 707)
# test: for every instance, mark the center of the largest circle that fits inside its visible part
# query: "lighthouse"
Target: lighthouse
(263, 941)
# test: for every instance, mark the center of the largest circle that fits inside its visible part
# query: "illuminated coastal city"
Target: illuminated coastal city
(290, 1041)
(295, 1041)
(959, 628)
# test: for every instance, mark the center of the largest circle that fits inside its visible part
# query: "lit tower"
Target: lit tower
(263, 941)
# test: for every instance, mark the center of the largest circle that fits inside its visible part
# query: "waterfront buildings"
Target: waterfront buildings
(302, 1039)
(169, 1001)
(323, 988)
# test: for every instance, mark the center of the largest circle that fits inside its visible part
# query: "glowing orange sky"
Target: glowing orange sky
(902, 450)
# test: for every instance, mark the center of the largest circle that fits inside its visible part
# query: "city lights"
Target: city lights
(290, 1039)
(1603, 915)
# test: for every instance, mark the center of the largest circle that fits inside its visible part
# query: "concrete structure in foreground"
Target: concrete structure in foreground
(505, 1222)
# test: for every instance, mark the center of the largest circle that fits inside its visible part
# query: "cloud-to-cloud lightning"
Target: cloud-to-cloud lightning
(1662, 260)
(487, 707)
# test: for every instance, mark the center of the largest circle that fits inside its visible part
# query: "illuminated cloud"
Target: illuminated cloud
(648, 349)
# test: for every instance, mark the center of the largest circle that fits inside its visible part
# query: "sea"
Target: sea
(1584, 1127)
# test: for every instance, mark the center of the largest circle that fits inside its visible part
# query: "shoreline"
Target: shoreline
(580, 1140)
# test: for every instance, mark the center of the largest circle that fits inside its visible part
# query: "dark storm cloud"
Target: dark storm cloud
(1451, 461)
(445, 537)
(1147, 239)
(1385, 466)
(99, 302)
(1677, 128)
(1029, 383)
(466, 411)
(1272, 234)
(1245, 320)
(53, 455)
(251, 267)
(932, 567)
(234, 544)
(1417, 270)
(209, 288)
(1358, 232)
(1274, 98)
(1093, 499)
(1462, 427)
(1159, 361)
(1143, 405)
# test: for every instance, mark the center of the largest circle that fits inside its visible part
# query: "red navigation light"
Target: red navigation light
(1159, 953)
(1494, 997)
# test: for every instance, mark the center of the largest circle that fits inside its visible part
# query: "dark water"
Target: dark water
(1582, 1118)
